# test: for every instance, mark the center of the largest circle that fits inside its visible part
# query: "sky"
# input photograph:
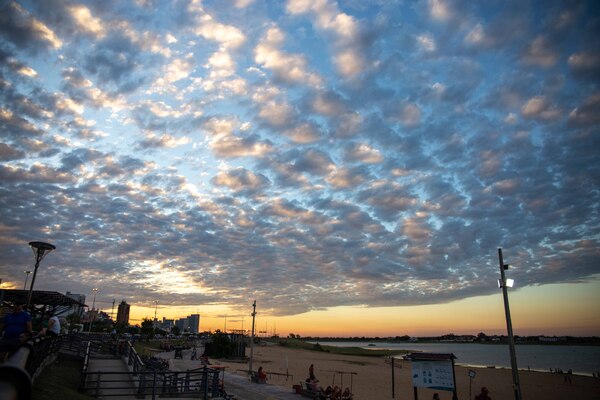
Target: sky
(353, 166)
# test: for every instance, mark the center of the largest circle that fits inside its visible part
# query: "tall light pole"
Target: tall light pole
(252, 339)
(95, 290)
(26, 278)
(504, 283)
(40, 249)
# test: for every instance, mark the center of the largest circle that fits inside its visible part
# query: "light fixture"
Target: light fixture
(40, 249)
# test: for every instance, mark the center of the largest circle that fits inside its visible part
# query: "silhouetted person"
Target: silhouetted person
(14, 325)
(483, 395)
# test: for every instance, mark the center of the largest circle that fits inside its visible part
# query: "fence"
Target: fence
(140, 381)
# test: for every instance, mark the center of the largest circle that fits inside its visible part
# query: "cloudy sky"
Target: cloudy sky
(324, 158)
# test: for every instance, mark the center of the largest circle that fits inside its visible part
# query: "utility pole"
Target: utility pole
(252, 338)
(511, 339)
(112, 310)
(95, 290)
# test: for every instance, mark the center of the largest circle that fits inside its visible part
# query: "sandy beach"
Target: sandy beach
(373, 377)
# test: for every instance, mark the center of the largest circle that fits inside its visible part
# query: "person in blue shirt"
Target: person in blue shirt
(14, 326)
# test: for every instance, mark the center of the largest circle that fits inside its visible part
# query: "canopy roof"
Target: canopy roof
(41, 300)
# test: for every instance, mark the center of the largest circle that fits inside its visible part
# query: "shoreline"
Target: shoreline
(580, 361)
(543, 371)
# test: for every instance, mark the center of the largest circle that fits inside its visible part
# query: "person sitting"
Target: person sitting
(337, 392)
(347, 395)
(262, 376)
(53, 328)
(326, 394)
(483, 395)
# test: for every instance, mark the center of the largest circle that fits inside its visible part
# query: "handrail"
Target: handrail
(84, 369)
(19, 370)
(15, 381)
(203, 382)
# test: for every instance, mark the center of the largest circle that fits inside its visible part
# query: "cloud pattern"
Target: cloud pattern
(307, 154)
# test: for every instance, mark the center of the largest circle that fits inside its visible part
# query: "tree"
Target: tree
(175, 330)
(121, 327)
(221, 345)
(147, 327)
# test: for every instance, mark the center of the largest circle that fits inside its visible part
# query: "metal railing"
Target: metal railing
(203, 383)
(24, 364)
(19, 371)
(140, 381)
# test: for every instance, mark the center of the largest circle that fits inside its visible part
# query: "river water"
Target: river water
(583, 360)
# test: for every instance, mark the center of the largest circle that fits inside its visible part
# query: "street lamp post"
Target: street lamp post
(252, 339)
(95, 290)
(511, 340)
(26, 278)
(40, 249)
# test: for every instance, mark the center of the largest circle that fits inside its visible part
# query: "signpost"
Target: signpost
(471, 376)
(433, 371)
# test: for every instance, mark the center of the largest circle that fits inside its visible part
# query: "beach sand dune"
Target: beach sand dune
(373, 377)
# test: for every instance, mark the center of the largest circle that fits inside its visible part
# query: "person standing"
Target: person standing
(14, 325)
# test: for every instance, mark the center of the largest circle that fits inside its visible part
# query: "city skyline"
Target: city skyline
(351, 166)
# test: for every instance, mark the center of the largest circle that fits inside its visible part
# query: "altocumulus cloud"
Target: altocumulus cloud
(224, 153)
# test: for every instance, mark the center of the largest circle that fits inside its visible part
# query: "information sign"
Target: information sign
(433, 374)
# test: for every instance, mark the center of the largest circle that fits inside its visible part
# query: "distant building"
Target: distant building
(167, 324)
(123, 313)
(194, 323)
(76, 309)
(183, 325)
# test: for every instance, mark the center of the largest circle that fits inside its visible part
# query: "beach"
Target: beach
(372, 377)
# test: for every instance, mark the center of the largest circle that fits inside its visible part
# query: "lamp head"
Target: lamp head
(40, 249)
(509, 283)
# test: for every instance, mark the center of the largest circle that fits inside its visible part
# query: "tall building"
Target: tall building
(194, 322)
(182, 324)
(123, 313)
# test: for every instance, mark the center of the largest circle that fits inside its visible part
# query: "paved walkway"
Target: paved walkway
(110, 383)
(237, 385)
(243, 389)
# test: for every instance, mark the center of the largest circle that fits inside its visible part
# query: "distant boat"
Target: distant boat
(372, 345)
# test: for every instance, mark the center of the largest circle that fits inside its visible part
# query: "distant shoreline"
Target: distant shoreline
(592, 341)
(580, 359)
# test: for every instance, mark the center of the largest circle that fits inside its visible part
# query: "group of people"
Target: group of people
(329, 393)
(16, 328)
(483, 395)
